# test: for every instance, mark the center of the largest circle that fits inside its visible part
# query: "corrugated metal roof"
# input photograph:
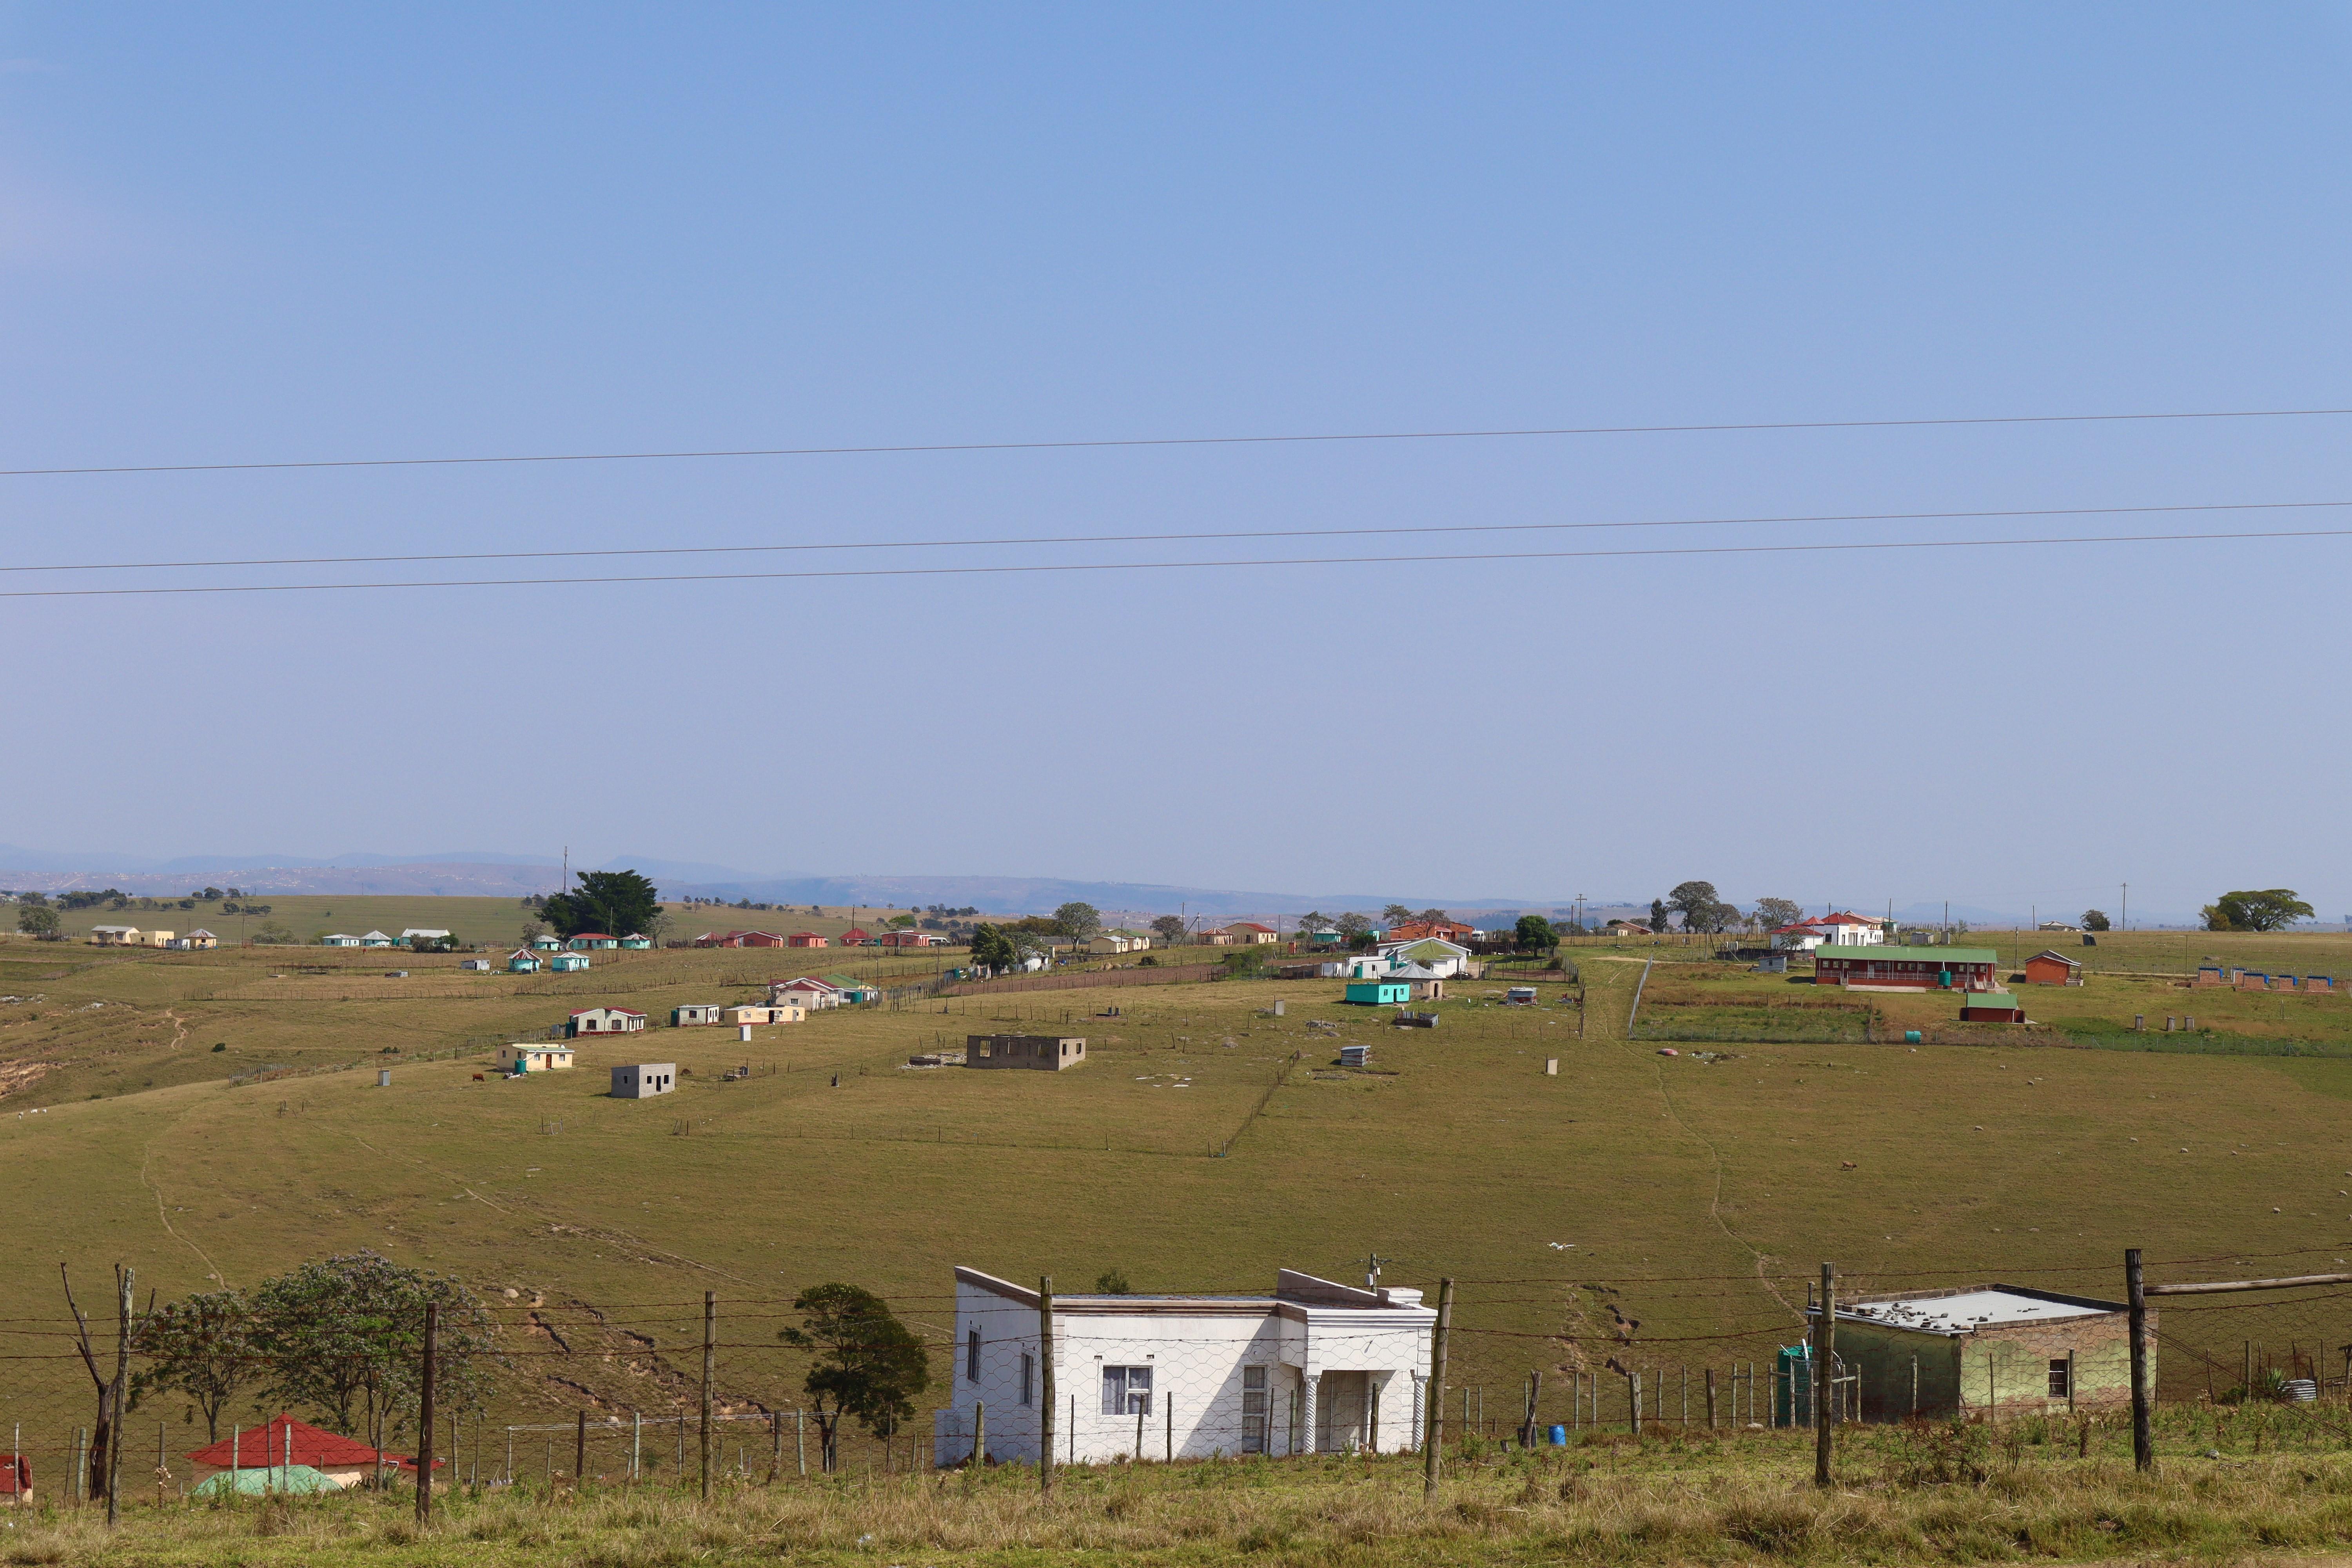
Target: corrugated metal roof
(1990, 1307)
(1933, 957)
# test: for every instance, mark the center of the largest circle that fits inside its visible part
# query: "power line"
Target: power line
(1165, 566)
(1444, 528)
(1065, 446)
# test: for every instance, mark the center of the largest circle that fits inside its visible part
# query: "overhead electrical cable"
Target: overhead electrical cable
(1438, 528)
(1041, 567)
(1310, 438)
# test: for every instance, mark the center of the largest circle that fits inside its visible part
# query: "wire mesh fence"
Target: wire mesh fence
(617, 1393)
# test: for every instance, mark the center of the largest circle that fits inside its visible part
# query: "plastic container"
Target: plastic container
(1560, 1437)
(1910, 1037)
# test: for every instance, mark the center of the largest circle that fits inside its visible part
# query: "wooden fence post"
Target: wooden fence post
(1045, 1385)
(425, 1418)
(1711, 1399)
(1824, 1378)
(1434, 1432)
(710, 1370)
(2143, 1440)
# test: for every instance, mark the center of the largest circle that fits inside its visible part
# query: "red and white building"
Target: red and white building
(1881, 967)
(807, 991)
(854, 937)
(911, 939)
(1847, 929)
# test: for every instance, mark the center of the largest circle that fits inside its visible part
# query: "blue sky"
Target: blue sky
(255, 234)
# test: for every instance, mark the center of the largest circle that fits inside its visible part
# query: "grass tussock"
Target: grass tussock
(1922, 1496)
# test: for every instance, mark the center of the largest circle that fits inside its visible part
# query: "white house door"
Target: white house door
(1343, 1401)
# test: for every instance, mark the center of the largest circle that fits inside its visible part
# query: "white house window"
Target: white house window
(1127, 1391)
(1253, 1409)
(1028, 1370)
(971, 1356)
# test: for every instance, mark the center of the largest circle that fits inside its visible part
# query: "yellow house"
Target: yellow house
(1249, 933)
(1112, 941)
(115, 936)
(201, 939)
(155, 938)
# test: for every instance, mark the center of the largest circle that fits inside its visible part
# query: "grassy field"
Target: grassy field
(1703, 1189)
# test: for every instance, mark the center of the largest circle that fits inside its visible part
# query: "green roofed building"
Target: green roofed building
(1879, 967)
(854, 989)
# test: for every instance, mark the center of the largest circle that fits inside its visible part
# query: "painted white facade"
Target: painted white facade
(1829, 930)
(1430, 957)
(1316, 1367)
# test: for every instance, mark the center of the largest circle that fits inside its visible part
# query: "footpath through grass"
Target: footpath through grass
(1918, 1494)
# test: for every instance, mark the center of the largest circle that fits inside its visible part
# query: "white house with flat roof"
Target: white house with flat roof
(1316, 1367)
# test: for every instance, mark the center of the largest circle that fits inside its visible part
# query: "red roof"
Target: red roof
(286, 1441)
(1247, 925)
(852, 932)
(623, 1012)
(591, 936)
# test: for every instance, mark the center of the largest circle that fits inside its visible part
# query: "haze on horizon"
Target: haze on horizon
(258, 235)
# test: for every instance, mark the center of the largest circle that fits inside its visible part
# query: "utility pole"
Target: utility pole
(2127, 908)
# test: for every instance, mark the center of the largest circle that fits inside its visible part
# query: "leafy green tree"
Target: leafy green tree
(343, 1336)
(201, 1349)
(1394, 914)
(1431, 917)
(868, 1366)
(1351, 925)
(1534, 934)
(618, 903)
(1658, 915)
(1696, 902)
(992, 948)
(274, 933)
(1771, 914)
(2094, 920)
(2270, 908)
(1077, 922)
(1168, 929)
(38, 920)
(1113, 1283)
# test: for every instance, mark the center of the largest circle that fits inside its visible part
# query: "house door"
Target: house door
(1343, 1401)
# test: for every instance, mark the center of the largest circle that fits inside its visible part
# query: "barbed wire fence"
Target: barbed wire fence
(658, 1394)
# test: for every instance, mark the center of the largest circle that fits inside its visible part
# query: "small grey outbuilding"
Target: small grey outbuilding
(643, 1080)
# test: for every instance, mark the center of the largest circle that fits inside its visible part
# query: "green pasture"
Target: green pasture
(1704, 1189)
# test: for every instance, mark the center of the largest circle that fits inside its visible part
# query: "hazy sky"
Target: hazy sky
(241, 234)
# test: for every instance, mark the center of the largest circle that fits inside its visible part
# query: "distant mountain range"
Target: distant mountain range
(489, 874)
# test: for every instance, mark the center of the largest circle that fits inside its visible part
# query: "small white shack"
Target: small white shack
(643, 1080)
(693, 1013)
(1316, 1367)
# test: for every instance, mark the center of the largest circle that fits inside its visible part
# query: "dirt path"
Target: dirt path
(162, 1212)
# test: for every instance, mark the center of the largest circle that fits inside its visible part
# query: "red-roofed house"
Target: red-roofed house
(854, 937)
(808, 992)
(286, 1441)
(1829, 931)
(1421, 930)
(911, 939)
(805, 938)
(1249, 933)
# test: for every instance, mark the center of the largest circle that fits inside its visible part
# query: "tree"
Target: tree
(619, 903)
(200, 1348)
(1698, 904)
(2270, 908)
(2094, 920)
(343, 1335)
(900, 922)
(1432, 918)
(1351, 925)
(868, 1366)
(1774, 913)
(1394, 914)
(274, 934)
(1168, 930)
(992, 948)
(1535, 934)
(1113, 1283)
(1658, 921)
(210, 895)
(1077, 922)
(38, 920)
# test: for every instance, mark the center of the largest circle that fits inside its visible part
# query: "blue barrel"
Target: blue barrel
(1560, 1437)
(1910, 1037)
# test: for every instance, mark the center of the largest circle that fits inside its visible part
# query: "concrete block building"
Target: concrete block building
(1998, 1351)
(1045, 1053)
(643, 1080)
(1317, 1367)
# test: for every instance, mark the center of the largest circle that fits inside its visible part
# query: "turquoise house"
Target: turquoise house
(565, 963)
(522, 961)
(588, 941)
(1380, 993)
(636, 944)
(547, 942)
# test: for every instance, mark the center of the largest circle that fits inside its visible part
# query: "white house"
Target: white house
(605, 1021)
(1440, 958)
(1315, 1367)
(408, 937)
(338, 939)
(691, 1014)
(1829, 930)
(375, 938)
(1117, 940)
(807, 991)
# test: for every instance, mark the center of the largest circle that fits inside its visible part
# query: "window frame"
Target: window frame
(971, 1356)
(1126, 1402)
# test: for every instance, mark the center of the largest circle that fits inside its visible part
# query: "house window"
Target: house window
(2061, 1378)
(971, 1356)
(1254, 1394)
(1028, 1370)
(1127, 1391)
